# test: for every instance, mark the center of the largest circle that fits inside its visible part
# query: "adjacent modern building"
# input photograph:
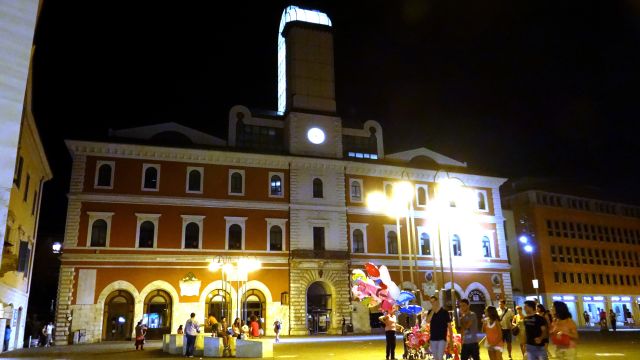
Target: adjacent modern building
(20, 232)
(586, 251)
(157, 213)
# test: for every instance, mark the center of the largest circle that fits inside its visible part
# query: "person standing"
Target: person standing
(141, 331)
(276, 329)
(564, 332)
(518, 322)
(191, 330)
(603, 320)
(537, 332)
(390, 324)
(612, 319)
(493, 330)
(506, 319)
(180, 330)
(587, 318)
(440, 326)
(546, 314)
(469, 332)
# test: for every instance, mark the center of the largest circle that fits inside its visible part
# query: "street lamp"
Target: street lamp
(225, 266)
(244, 267)
(528, 248)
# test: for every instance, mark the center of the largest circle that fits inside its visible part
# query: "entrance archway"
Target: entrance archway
(218, 304)
(477, 303)
(255, 304)
(318, 308)
(157, 314)
(118, 316)
(447, 299)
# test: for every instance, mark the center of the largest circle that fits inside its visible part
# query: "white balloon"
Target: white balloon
(394, 290)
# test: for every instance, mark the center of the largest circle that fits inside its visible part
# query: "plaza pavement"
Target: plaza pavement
(594, 345)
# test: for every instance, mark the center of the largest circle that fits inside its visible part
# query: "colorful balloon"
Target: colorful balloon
(405, 297)
(372, 270)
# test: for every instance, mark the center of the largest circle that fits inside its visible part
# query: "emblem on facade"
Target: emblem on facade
(189, 285)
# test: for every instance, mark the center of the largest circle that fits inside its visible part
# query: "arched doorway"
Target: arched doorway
(255, 304)
(318, 308)
(218, 304)
(477, 303)
(157, 314)
(447, 299)
(118, 316)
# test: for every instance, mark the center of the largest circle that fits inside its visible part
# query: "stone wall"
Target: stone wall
(63, 312)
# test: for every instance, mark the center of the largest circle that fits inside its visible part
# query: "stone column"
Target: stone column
(63, 310)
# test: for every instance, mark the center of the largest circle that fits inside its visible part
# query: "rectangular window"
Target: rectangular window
(615, 280)
(586, 278)
(561, 253)
(591, 257)
(549, 228)
(598, 259)
(556, 226)
(318, 238)
(17, 177)
(26, 188)
(601, 279)
(554, 258)
(23, 257)
(564, 277)
(593, 279)
(556, 277)
(608, 279)
(584, 256)
(35, 202)
(572, 278)
(569, 257)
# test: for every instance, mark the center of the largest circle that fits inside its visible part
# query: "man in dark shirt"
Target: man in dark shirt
(469, 332)
(440, 325)
(537, 332)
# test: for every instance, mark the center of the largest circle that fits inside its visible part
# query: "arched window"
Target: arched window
(157, 314)
(422, 196)
(236, 183)
(358, 241)
(235, 237)
(392, 242)
(275, 238)
(147, 234)
(482, 201)
(195, 180)
(99, 233)
(104, 175)
(151, 178)
(486, 246)
(276, 185)
(318, 192)
(456, 245)
(192, 236)
(425, 244)
(388, 190)
(356, 191)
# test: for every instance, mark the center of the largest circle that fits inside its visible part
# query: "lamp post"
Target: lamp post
(225, 266)
(528, 248)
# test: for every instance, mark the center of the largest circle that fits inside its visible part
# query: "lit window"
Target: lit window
(456, 246)
(486, 246)
(276, 185)
(425, 244)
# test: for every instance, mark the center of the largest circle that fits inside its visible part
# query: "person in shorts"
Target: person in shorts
(506, 319)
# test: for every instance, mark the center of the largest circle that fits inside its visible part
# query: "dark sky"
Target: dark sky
(514, 88)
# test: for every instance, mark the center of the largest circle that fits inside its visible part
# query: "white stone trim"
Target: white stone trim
(199, 169)
(231, 172)
(478, 286)
(283, 225)
(234, 220)
(99, 163)
(362, 227)
(145, 166)
(198, 219)
(93, 216)
(282, 182)
(147, 217)
(426, 195)
(486, 200)
(165, 286)
(181, 201)
(387, 229)
(351, 198)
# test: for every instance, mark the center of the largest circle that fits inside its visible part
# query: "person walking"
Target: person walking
(537, 332)
(493, 329)
(564, 332)
(506, 320)
(276, 329)
(191, 330)
(546, 314)
(612, 319)
(518, 323)
(390, 326)
(440, 326)
(141, 331)
(469, 332)
(587, 318)
(254, 326)
(603, 320)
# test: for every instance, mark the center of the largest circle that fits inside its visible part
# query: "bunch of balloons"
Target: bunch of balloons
(417, 338)
(374, 287)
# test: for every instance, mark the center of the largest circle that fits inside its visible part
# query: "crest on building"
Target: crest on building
(189, 285)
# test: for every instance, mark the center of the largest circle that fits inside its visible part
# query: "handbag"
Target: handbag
(515, 331)
(562, 340)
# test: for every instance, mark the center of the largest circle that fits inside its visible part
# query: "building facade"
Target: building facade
(586, 250)
(151, 208)
(20, 232)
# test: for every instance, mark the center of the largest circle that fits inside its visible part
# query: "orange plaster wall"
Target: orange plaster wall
(173, 176)
(277, 280)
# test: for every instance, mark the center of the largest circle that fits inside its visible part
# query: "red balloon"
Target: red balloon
(372, 270)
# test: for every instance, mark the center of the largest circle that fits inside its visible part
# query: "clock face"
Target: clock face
(315, 135)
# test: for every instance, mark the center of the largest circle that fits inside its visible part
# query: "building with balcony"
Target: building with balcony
(150, 208)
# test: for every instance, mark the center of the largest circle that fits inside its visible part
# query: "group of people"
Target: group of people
(602, 315)
(535, 327)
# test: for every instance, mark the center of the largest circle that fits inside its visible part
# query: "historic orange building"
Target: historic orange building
(151, 208)
(586, 250)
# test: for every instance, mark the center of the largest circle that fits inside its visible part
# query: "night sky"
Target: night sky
(537, 89)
